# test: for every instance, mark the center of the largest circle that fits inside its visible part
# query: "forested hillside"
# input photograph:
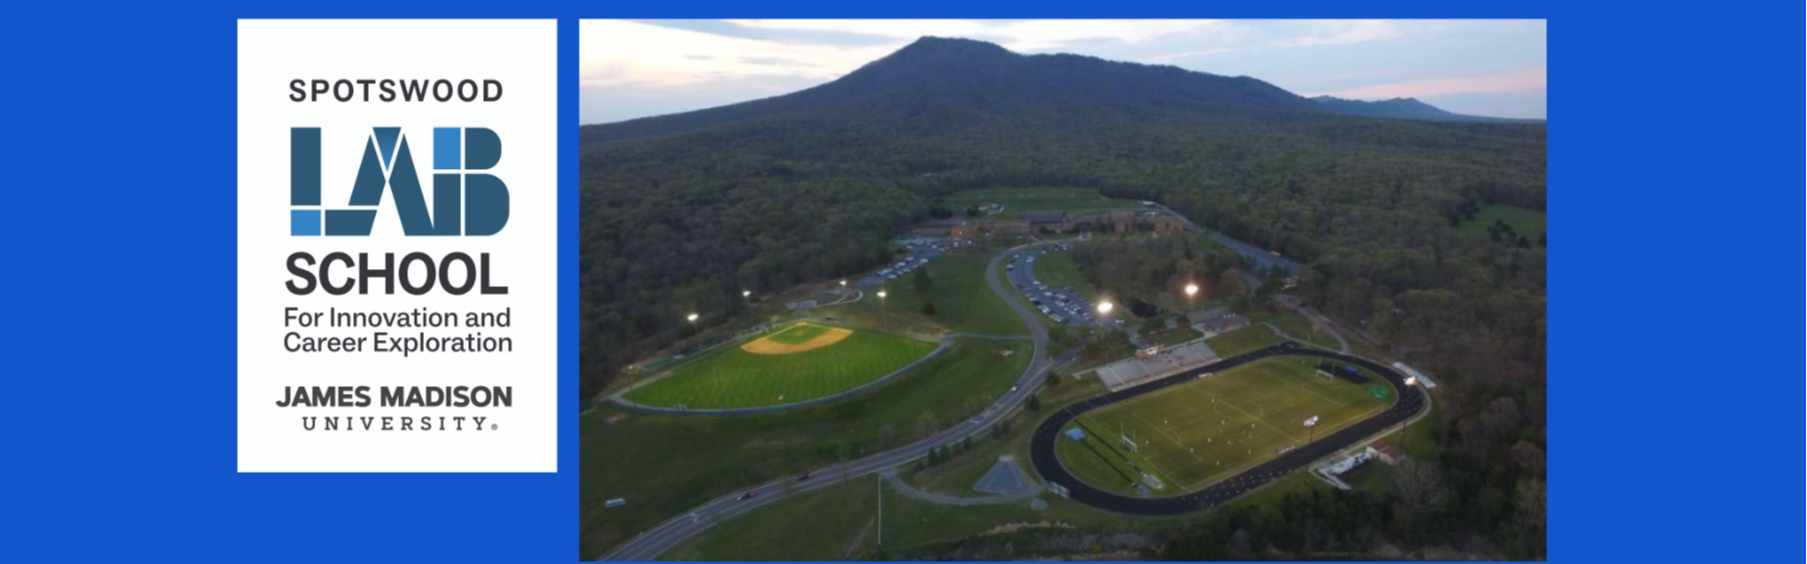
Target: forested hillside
(682, 212)
(1404, 108)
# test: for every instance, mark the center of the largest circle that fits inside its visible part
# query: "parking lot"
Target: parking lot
(921, 251)
(1062, 305)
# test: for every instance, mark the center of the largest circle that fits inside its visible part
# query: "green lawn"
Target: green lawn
(730, 377)
(845, 517)
(667, 464)
(957, 475)
(1294, 324)
(1019, 200)
(1058, 270)
(1192, 435)
(1180, 334)
(963, 301)
(1529, 223)
(1251, 338)
(817, 526)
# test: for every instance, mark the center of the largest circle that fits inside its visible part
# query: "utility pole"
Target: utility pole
(881, 512)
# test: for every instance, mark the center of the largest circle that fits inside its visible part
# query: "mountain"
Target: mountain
(938, 77)
(681, 213)
(1405, 108)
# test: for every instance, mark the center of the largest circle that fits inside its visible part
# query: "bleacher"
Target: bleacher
(1344, 371)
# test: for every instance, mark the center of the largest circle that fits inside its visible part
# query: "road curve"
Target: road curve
(652, 543)
(1041, 451)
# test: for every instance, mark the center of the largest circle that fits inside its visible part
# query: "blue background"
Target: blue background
(1671, 192)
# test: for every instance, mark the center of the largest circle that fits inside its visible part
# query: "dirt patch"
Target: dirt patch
(766, 345)
(1014, 527)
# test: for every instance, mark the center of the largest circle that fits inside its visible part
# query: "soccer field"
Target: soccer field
(800, 362)
(1191, 435)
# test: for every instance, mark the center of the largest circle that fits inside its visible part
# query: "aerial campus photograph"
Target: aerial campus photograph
(1175, 290)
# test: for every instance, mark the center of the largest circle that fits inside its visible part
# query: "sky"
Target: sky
(640, 68)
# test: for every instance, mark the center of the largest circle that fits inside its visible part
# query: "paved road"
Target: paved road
(1042, 457)
(1317, 322)
(1264, 260)
(667, 535)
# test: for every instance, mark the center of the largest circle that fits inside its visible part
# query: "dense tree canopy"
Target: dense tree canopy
(681, 213)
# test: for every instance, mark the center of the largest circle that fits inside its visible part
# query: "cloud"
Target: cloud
(626, 54)
(1348, 32)
(1532, 80)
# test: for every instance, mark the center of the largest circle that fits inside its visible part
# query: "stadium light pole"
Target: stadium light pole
(1191, 290)
(692, 319)
(1411, 382)
(746, 299)
(881, 305)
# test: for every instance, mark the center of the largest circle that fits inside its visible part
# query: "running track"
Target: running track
(1041, 451)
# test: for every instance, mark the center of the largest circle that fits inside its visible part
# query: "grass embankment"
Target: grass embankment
(841, 522)
(964, 303)
(1293, 323)
(1242, 340)
(666, 464)
(1059, 270)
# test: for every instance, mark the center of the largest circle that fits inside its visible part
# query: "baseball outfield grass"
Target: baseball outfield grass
(799, 362)
(666, 464)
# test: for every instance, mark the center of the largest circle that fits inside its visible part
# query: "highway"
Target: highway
(652, 543)
(1411, 402)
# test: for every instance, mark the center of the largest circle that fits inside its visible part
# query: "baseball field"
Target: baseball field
(1188, 436)
(790, 364)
